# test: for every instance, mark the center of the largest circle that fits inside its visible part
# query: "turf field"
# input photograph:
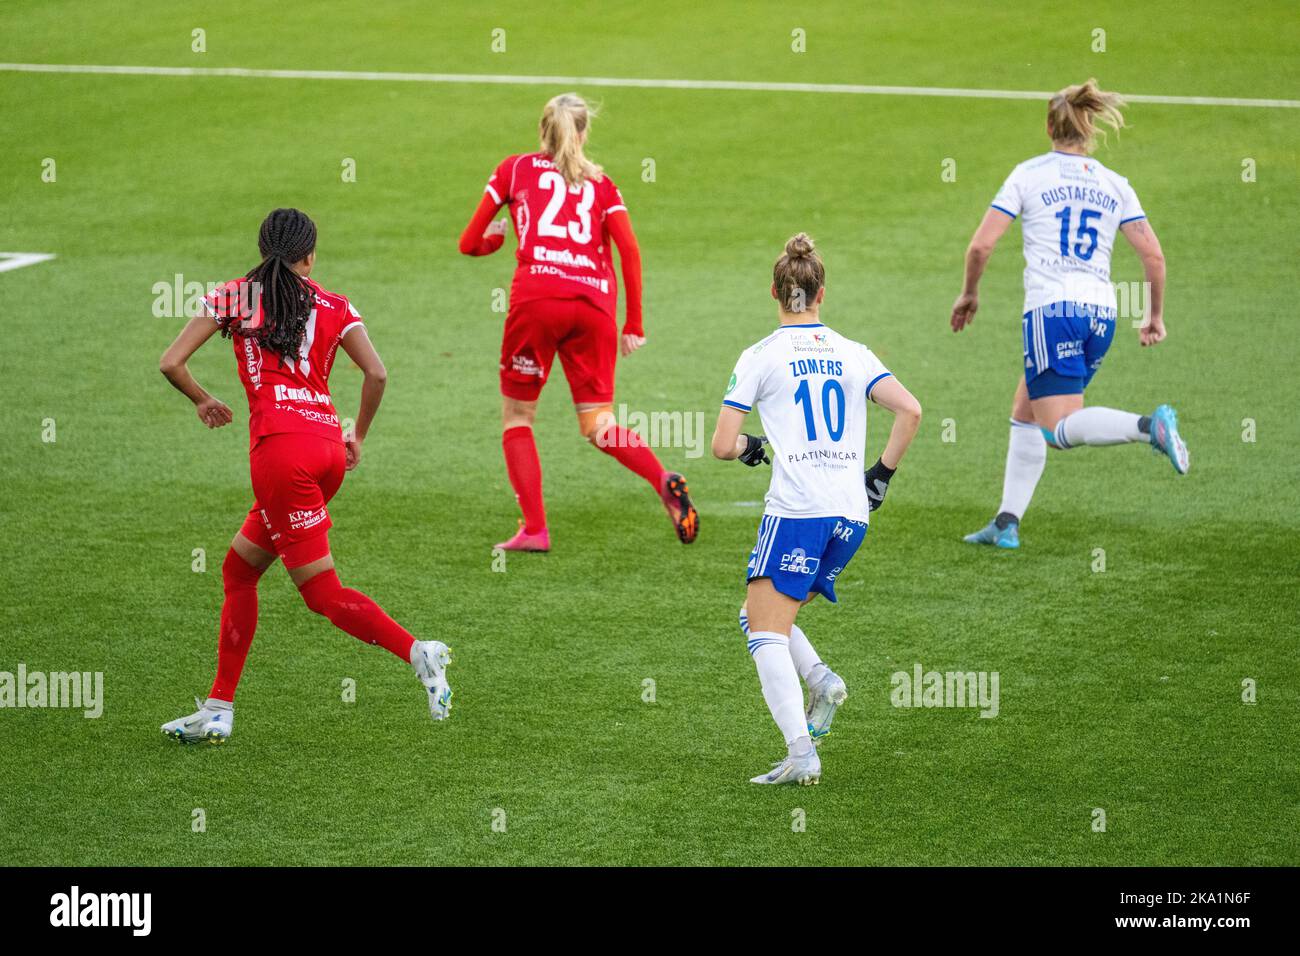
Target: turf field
(1120, 689)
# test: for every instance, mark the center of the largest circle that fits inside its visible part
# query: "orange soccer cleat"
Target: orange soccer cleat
(677, 501)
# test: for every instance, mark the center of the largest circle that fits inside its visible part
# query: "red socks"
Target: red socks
(351, 611)
(632, 453)
(238, 623)
(347, 609)
(525, 471)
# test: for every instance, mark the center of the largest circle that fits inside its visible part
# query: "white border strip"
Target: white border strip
(578, 81)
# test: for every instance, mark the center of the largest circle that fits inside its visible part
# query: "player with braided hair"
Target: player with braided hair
(286, 330)
(286, 236)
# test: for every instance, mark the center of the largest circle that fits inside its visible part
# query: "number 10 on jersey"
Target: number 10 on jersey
(832, 394)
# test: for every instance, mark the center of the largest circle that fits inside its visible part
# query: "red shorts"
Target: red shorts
(585, 337)
(294, 475)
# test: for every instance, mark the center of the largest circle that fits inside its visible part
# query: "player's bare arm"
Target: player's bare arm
(1143, 239)
(890, 395)
(375, 377)
(728, 442)
(991, 229)
(213, 412)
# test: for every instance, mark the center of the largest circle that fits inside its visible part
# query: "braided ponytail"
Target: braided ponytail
(287, 236)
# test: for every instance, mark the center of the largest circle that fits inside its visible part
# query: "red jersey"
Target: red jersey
(287, 395)
(564, 248)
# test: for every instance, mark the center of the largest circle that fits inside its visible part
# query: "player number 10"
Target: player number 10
(834, 422)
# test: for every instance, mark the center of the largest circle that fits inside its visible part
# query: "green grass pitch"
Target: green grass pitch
(1120, 689)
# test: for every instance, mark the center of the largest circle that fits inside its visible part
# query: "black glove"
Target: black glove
(877, 480)
(754, 454)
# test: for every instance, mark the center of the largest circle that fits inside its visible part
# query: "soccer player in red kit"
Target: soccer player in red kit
(286, 330)
(567, 214)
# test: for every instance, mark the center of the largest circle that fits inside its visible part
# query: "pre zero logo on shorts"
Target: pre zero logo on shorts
(798, 562)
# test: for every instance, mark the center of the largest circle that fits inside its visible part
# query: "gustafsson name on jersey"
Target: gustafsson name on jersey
(1096, 197)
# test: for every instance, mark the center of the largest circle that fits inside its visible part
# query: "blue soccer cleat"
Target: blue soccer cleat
(1166, 440)
(1008, 537)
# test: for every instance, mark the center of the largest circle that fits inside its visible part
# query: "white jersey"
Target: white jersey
(1070, 208)
(811, 386)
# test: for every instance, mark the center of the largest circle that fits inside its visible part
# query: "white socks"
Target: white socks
(803, 654)
(1026, 456)
(781, 687)
(1099, 426)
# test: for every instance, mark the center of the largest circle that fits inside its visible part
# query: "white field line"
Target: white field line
(598, 81)
(16, 260)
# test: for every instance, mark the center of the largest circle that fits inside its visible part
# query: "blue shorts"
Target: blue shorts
(1064, 343)
(800, 555)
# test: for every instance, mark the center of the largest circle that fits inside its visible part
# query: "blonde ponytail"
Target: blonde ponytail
(564, 120)
(1074, 112)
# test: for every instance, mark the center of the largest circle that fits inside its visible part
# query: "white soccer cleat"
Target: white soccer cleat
(805, 771)
(430, 660)
(206, 725)
(823, 699)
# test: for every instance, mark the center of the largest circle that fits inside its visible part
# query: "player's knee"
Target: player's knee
(315, 601)
(237, 572)
(517, 414)
(594, 422)
(1055, 436)
(319, 590)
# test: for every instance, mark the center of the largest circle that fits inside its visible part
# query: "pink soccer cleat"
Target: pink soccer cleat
(523, 541)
